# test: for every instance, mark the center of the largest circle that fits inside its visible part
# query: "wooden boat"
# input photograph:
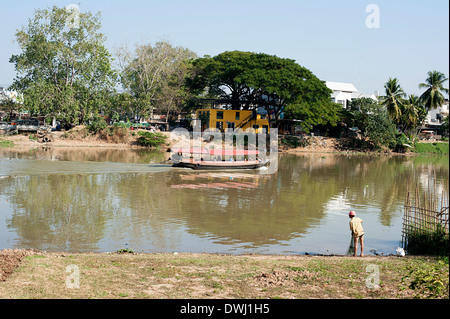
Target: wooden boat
(214, 159)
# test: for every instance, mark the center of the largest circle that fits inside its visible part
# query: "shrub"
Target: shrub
(96, 125)
(434, 243)
(151, 139)
(401, 140)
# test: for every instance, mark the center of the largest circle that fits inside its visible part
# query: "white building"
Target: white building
(344, 93)
(435, 116)
(6, 94)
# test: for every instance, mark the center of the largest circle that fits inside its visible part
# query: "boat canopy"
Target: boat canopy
(232, 152)
(190, 150)
(214, 152)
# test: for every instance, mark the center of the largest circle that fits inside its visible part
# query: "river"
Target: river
(103, 200)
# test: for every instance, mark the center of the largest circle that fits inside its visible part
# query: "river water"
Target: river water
(104, 200)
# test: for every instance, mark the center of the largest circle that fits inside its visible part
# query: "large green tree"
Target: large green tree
(434, 84)
(247, 80)
(154, 76)
(377, 127)
(64, 69)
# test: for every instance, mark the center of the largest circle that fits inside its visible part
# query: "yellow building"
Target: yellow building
(224, 120)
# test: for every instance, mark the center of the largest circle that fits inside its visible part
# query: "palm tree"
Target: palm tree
(433, 97)
(394, 98)
(413, 113)
(410, 111)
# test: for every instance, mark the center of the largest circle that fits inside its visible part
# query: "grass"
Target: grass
(6, 143)
(432, 148)
(172, 276)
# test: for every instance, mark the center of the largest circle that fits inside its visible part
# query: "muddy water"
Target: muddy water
(105, 200)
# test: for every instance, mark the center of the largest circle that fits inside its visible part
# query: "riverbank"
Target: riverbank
(49, 275)
(78, 138)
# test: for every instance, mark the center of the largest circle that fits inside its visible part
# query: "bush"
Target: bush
(96, 125)
(428, 243)
(151, 139)
(401, 140)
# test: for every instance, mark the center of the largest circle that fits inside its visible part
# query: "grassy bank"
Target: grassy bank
(172, 276)
(432, 148)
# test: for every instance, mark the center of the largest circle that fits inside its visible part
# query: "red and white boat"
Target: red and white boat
(203, 158)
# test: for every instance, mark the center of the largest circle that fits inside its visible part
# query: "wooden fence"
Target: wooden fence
(427, 212)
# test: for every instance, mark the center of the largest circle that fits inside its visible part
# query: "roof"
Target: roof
(340, 86)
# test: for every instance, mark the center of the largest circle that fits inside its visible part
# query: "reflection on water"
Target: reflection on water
(90, 200)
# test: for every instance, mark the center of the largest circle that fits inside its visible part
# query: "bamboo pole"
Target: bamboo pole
(425, 214)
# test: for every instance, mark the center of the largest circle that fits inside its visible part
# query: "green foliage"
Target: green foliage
(63, 70)
(96, 125)
(434, 243)
(373, 121)
(402, 142)
(154, 76)
(245, 79)
(432, 148)
(429, 281)
(151, 139)
(445, 125)
(434, 85)
(393, 99)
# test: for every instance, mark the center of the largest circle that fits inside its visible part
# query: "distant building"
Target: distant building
(435, 117)
(344, 93)
(7, 94)
(224, 120)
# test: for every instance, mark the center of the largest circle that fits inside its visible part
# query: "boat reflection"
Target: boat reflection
(219, 180)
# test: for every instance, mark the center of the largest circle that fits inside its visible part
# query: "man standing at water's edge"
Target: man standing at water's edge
(357, 232)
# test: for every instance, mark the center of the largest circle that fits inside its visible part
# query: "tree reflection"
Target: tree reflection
(60, 212)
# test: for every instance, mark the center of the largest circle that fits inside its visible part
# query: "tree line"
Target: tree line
(64, 71)
(396, 118)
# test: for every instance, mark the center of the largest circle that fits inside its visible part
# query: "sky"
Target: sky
(353, 41)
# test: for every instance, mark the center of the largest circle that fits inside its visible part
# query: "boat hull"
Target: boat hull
(220, 165)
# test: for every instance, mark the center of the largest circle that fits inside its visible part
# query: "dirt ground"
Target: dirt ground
(76, 138)
(10, 260)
